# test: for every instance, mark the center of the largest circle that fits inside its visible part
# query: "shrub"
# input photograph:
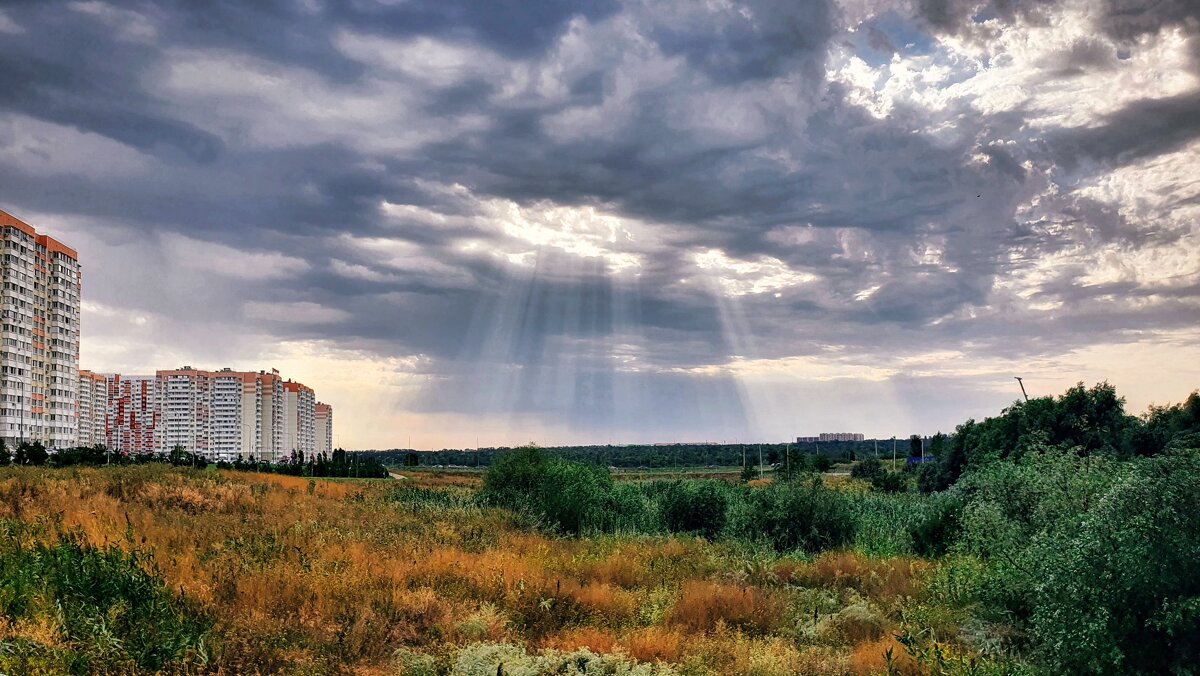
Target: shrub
(1119, 591)
(694, 506)
(867, 469)
(889, 482)
(514, 477)
(788, 516)
(936, 532)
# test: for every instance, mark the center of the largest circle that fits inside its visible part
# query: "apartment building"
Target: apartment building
(183, 400)
(299, 408)
(831, 436)
(39, 336)
(93, 408)
(271, 445)
(131, 413)
(323, 428)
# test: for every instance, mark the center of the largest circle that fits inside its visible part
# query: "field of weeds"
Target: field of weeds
(259, 573)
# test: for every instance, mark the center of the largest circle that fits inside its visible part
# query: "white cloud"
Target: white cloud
(737, 277)
(210, 257)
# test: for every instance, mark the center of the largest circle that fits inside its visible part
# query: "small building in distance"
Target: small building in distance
(831, 436)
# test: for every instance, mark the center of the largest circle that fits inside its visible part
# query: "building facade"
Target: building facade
(221, 415)
(93, 408)
(299, 409)
(323, 427)
(131, 413)
(39, 336)
(831, 436)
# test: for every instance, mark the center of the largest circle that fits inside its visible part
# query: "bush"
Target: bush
(807, 516)
(822, 463)
(1121, 591)
(867, 469)
(572, 496)
(514, 477)
(889, 482)
(694, 506)
(936, 532)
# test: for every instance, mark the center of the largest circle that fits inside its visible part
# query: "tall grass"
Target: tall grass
(280, 574)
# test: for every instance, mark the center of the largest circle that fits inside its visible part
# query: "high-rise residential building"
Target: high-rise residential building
(93, 408)
(299, 405)
(131, 414)
(39, 348)
(219, 414)
(323, 428)
(271, 446)
(183, 399)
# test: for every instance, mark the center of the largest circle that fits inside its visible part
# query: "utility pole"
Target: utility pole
(760, 468)
(893, 454)
(1022, 384)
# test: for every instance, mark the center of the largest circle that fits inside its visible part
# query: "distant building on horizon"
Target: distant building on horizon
(39, 352)
(323, 427)
(831, 436)
(220, 415)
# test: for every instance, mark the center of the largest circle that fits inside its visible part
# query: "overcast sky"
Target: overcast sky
(617, 221)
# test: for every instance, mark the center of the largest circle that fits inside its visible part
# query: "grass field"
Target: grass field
(279, 574)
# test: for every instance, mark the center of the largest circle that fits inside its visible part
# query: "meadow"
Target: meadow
(1033, 554)
(261, 573)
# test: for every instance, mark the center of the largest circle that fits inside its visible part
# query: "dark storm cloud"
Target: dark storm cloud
(1145, 128)
(718, 127)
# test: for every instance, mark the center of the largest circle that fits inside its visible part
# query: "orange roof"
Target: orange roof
(47, 241)
(52, 245)
(8, 219)
(296, 387)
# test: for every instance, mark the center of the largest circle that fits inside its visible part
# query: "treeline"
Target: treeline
(1087, 421)
(337, 464)
(651, 456)
(1069, 528)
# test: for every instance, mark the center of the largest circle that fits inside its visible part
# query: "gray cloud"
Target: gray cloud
(379, 150)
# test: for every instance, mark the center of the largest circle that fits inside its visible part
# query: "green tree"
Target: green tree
(914, 446)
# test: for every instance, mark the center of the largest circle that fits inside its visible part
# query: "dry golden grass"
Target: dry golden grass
(703, 605)
(870, 658)
(338, 576)
(424, 478)
(879, 579)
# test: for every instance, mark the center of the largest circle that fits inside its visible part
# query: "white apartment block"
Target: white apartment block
(323, 428)
(93, 409)
(218, 414)
(182, 398)
(299, 407)
(39, 336)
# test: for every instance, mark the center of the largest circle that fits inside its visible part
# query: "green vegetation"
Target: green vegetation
(111, 610)
(338, 464)
(1033, 544)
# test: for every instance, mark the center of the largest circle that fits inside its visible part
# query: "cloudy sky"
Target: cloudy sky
(622, 220)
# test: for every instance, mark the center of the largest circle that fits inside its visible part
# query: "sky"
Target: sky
(619, 221)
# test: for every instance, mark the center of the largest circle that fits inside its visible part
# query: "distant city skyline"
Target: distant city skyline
(486, 224)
